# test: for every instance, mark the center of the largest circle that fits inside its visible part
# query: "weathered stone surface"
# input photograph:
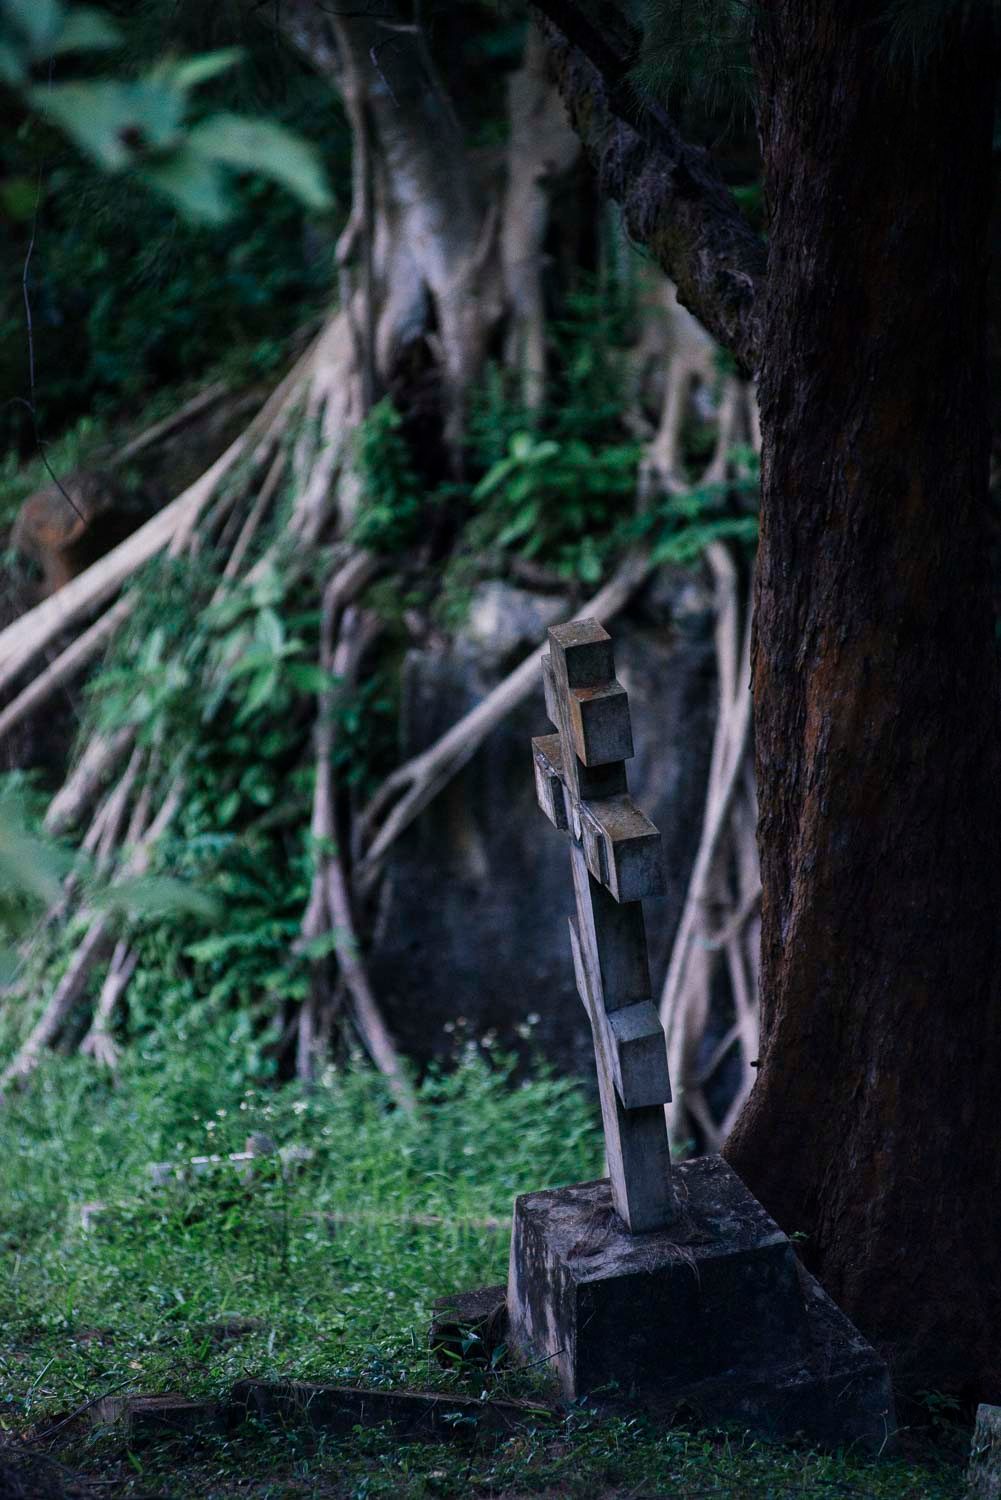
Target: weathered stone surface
(608, 932)
(488, 948)
(502, 619)
(232, 1328)
(414, 1417)
(470, 1326)
(713, 1315)
(703, 1296)
(837, 1396)
(148, 1419)
(984, 1473)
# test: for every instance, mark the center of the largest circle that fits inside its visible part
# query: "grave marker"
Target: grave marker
(615, 856)
(664, 1288)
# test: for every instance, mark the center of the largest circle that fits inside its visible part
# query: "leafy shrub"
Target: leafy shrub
(393, 500)
(558, 501)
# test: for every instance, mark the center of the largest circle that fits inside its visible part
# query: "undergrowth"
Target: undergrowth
(333, 1267)
(549, 497)
(327, 1273)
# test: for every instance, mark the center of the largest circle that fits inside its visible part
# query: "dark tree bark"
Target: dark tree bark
(873, 1126)
(673, 200)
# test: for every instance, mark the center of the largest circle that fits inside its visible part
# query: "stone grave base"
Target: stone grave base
(712, 1317)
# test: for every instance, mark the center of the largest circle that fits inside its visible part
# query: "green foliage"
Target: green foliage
(679, 528)
(552, 487)
(141, 124)
(554, 500)
(558, 488)
(143, 297)
(392, 504)
(228, 686)
(33, 31)
(326, 1275)
(31, 871)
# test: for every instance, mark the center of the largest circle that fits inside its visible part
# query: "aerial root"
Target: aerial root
(346, 633)
(408, 790)
(97, 942)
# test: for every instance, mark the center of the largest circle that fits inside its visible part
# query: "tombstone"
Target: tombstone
(665, 1285)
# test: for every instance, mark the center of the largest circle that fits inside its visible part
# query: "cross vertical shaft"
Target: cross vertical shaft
(615, 860)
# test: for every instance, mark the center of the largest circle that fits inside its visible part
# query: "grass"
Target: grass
(135, 1302)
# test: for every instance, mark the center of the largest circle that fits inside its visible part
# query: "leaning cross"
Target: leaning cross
(580, 778)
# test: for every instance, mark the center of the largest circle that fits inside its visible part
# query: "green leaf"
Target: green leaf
(307, 677)
(228, 808)
(157, 896)
(270, 630)
(12, 68)
(262, 146)
(86, 30)
(494, 477)
(18, 196)
(194, 185)
(115, 123)
(195, 70)
(261, 691)
(29, 866)
(522, 523)
(254, 659)
(39, 22)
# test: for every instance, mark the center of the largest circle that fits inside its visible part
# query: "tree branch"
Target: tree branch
(673, 201)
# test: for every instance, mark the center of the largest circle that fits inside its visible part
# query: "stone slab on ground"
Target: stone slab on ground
(148, 1419)
(712, 1314)
(470, 1326)
(415, 1417)
(984, 1473)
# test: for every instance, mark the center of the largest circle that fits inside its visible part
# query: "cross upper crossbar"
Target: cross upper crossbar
(580, 779)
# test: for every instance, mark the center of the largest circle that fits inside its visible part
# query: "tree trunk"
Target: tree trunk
(873, 1124)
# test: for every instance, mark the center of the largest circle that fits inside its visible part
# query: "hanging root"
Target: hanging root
(112, 772)
(97, 942)
(408, 790)
(345, 636)
(724, 890)
(99, 1043)
(171, 528)
(426, 264)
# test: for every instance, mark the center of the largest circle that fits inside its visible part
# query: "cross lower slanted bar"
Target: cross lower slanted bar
(580, 778)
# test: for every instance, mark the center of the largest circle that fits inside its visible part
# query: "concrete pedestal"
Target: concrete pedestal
(713, 1314)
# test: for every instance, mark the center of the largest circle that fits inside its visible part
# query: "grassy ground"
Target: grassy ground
(328, 1276)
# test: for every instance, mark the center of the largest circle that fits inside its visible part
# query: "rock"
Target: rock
(259, 1144)
(228, 1330)
(503, 620)
(470, 1327)
(89, 1214)
(492, 949)
(984, 1473)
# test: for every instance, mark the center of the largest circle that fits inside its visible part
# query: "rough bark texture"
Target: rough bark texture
(673, 201)
(873, 1126)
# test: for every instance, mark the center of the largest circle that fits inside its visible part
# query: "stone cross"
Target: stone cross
(580, 778)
